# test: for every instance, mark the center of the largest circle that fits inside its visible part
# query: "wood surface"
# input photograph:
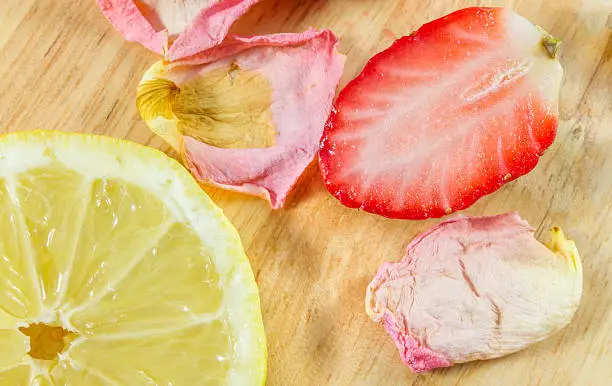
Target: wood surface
(62, 66)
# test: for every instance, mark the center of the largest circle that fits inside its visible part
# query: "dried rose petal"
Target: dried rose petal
(476, 288)
(185, 27)
(246, 115)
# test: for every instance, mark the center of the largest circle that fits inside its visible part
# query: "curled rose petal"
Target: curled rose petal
(475, 288)
(246, 115)
(182, 27)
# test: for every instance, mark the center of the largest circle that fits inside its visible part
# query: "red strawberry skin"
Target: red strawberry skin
(443, 117)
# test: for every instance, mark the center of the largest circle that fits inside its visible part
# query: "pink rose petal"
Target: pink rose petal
(304, 71)
(476, 288)
(417, 357)
(187, 27)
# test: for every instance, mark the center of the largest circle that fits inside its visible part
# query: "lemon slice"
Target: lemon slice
(117, 269)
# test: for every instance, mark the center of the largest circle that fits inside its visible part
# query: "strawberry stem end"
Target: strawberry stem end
(551, 45)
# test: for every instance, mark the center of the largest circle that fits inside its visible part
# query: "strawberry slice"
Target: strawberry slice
(444, 116)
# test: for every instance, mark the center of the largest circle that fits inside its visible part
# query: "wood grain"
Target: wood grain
(63, 67)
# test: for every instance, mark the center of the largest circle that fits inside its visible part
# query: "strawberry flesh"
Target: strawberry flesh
(444, 116)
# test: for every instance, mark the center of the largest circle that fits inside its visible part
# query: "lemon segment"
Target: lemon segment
(116, 268)
(175, 260)
(14, 346)
(50, 200)
(136, 360)
(15, 376)
(122, 223)
(19, 292)
(69, 376)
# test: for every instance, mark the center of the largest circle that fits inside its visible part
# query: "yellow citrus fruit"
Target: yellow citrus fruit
(117, 269)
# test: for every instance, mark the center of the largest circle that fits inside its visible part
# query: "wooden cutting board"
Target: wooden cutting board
(63, 67)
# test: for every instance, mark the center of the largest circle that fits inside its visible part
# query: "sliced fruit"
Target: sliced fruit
(175, 28)
(444, 116)
(246, 115)
(116, 268)
(475, 288)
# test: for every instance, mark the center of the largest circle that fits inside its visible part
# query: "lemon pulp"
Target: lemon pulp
(115, 268)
